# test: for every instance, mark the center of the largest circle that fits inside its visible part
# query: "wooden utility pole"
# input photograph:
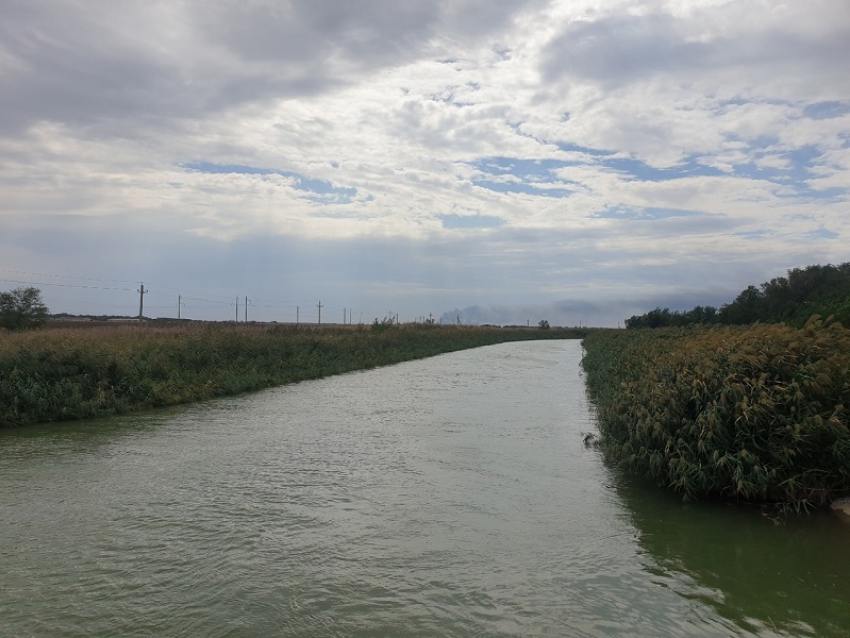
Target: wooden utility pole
(320, 313)
(246, 308)
(142, 293)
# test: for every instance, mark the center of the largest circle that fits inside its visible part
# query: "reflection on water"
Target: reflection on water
(791, 579)
(445, 497)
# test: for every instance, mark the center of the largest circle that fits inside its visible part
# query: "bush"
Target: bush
(756, 414)
(22, 309)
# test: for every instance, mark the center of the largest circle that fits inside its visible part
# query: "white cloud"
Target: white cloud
(579, 151)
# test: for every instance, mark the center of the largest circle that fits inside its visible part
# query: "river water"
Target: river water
(446, 497)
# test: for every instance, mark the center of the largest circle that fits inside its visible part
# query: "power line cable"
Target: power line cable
(202, 297)
(41, 274)
(191, 292)
(37, 283)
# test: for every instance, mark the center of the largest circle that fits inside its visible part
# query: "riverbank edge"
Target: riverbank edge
(68, 374)
(841, 508)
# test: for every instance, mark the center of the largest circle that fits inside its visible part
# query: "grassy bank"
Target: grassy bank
(60, 374)
(754, 413)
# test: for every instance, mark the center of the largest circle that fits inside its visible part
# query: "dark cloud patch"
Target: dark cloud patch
(63, 65)
(468, 222)
(621, 49)
(143, 64)
(367, 32)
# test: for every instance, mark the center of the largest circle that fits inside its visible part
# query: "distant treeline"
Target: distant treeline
(805, 292)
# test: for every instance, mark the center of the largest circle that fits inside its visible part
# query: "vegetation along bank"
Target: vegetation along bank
(59, 374)
(752, 413)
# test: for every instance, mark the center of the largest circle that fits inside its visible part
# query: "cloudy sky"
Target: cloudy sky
(503, 161)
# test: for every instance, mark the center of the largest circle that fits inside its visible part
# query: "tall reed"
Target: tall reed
(753, 413)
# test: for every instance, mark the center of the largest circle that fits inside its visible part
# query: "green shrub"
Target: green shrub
(756, 413)
(22, 309)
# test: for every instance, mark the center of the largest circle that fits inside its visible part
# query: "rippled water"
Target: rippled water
(445, 497)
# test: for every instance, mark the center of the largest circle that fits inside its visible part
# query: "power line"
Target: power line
(41, 274)
(216, 301)
(207, 299)
(37, 283)
(192, 292)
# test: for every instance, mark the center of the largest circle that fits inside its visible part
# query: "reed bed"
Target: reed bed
(754, 413)
(74, 373)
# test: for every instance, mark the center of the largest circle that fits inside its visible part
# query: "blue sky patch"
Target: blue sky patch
(822, 233)
(644, 214)
(316, 190)
(533, 177)
(533, 170)
(794, 175)
(640, 171)
(754, 235)
(575, 148)
(536, 189)
(826, 110)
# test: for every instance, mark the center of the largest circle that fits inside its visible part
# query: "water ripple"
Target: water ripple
(446, 497)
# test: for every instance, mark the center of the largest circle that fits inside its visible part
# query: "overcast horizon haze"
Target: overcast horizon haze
(503, 161)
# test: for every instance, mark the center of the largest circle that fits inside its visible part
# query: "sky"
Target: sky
(498, 161)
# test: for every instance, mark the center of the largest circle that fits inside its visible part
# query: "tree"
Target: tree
(22, 309)
(747, 308)
(543, 324)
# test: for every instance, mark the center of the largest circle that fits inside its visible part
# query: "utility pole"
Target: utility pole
(320, 313)
(237, 308)
(344, 316)
(179, 305)
(297, 315)
(246, 308)
(142, 293)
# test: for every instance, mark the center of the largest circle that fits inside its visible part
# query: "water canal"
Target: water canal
(444, 497)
